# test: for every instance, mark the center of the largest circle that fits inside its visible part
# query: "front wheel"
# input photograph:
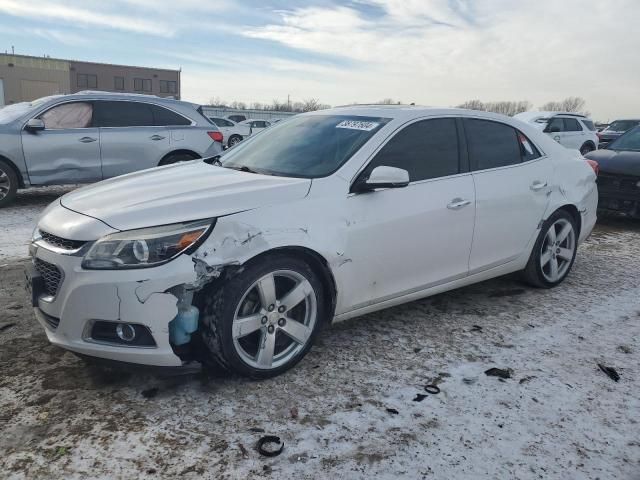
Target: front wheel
(8, 184)
(554, 251)
(262, 321)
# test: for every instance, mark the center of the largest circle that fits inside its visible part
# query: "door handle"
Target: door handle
(88, 139)
(537, 186)
(157, 137)
(458, 203)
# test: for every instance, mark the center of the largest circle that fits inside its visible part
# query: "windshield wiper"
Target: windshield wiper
(242, 168)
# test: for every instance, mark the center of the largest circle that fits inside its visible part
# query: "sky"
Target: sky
(431, 52)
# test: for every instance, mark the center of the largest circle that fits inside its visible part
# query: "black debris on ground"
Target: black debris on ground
(269, 440)
(499, 372)
(610, 371)
(150, 393)
(420, 397)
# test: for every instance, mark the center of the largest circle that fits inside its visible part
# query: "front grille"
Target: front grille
(59, 242)
(51, 275)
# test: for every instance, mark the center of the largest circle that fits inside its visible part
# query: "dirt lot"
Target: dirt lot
(559, 416)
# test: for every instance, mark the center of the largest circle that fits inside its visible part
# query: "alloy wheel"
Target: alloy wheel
(557, 250)
(274, 319)
(5, 184)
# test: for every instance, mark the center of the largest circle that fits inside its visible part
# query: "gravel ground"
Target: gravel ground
(349, 409)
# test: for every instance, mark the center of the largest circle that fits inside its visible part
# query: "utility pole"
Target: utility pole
(288, 102)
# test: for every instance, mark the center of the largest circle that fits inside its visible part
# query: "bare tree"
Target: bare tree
(217, 102)
(238, 105)
(389, 101)
(569, 104)
(504, 107)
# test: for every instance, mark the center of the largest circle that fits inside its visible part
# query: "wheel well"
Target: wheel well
(317, 263)
(590, 143)
(179, 152)
(573, 211)
(15, 169)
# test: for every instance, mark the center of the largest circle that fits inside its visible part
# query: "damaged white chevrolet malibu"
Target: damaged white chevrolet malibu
(239, 260)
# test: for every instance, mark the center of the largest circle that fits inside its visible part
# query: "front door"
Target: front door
(403, 240)
(67, 150)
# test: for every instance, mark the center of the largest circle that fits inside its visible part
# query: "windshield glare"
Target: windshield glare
(310, 146)
(628, 141)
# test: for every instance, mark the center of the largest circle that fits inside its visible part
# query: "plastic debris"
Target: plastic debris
(432, 389)
(420, 397)
(393, 411)
(269, 439)
(610, 371)
(499, 372)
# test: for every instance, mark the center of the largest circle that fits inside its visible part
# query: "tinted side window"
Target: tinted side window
(528, 149)
(122, 114)
(426, 149)
(571, 125)
(68, 115)
(555, 125)
(589, 124)
(166, 118)
(491, 144)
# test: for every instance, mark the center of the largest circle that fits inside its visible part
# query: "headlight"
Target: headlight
(146, 247)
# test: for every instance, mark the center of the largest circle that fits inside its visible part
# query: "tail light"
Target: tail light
(215, 136)
(593, 164)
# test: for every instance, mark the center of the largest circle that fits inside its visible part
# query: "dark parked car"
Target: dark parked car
(619, 178)
(615, 130)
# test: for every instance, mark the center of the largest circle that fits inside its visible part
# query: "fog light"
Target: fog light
(126, 332)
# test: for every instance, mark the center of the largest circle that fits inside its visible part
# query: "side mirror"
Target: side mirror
(34, 125)
(382, 177)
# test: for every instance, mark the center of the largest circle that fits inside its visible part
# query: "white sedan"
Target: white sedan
(232, 132)
(334, 214)
(255, 126)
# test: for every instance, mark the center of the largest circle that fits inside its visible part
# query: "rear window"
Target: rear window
(589, 124)
(122, 114)
(492, 144)
(571, 125)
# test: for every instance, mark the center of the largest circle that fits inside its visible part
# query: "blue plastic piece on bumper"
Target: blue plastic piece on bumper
(185, 323)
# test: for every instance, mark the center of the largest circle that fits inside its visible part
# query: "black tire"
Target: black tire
(8, 184)
(177, 157)
(233, 140)
(220, 303)
(534, 274)
(586, 148)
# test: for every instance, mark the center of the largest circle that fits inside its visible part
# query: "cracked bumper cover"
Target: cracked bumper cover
(129, 296)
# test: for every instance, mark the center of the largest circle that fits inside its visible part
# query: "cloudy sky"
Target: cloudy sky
(431, 52)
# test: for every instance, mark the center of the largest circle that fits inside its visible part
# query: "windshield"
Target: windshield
(12, 112)
(304, 146)
(621, 125)
(628, 141)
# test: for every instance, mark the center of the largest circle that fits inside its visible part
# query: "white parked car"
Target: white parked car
(256, 126)
(332, 215)
(232, 132)
(571, 130)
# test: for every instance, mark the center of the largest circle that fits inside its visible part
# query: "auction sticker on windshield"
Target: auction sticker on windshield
(357, 125)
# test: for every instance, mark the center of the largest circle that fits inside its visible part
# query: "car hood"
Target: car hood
(617, 162)
(181, 192)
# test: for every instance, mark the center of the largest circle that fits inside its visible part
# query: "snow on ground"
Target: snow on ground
(18, 220)
(558, 417)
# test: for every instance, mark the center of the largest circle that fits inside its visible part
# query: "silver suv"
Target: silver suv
(91, 136)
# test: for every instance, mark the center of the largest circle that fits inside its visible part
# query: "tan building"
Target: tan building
(25, 78)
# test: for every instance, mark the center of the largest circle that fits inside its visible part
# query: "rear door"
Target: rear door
(130, 139)
(67, 150)
(512, 180)
(573, 136)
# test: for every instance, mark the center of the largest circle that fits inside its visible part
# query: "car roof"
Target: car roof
(406, 112)
(100, 95)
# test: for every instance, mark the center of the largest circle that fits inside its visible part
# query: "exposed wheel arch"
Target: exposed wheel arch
(571, 209)
(167, 159)
(15, 169)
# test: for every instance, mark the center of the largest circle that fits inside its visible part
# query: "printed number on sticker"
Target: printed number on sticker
(357, 125)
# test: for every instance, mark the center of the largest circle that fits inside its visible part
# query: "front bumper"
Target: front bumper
(619, 194)
(129, 296)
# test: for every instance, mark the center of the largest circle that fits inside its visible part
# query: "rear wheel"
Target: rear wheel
(262, 321)
(554, 251)
(586, 148)
(233, 140)
(178, 157)
(8, 184)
